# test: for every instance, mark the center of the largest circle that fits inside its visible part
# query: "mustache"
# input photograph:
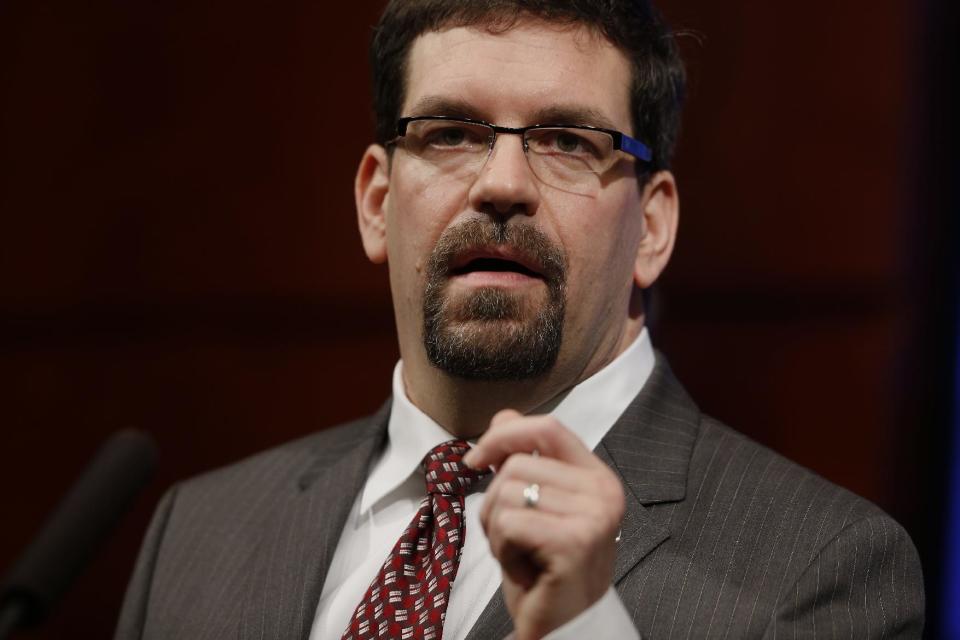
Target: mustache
(477, 234)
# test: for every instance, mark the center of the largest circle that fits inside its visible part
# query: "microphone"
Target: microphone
(82, 520)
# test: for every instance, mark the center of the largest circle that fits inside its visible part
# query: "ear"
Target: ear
(661, 213)
(370, 188)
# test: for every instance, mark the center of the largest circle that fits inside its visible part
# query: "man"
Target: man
(520, 194)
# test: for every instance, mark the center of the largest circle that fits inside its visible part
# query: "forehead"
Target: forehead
(509, 77)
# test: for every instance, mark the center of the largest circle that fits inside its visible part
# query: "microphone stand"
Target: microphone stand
(75, 529)
(12, 612)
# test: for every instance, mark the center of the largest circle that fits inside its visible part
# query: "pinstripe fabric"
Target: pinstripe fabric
(241, 552)
(757, 546)
(722, 538)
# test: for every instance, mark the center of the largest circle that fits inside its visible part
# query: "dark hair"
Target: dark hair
(634, 26)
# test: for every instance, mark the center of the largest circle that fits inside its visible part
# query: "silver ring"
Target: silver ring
(531, 495)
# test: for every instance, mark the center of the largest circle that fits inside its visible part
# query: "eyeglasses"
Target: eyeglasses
(563, 156)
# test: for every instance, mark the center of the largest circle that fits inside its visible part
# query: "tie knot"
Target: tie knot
(445, 471)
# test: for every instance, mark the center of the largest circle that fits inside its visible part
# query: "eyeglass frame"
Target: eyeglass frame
(621, 141)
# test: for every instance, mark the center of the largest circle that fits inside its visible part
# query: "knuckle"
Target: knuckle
(550, 422)
(546, 427)
(510, 467)
(502, 420)
(514, 491)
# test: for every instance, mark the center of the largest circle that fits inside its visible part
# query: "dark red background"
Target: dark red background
(178, 247)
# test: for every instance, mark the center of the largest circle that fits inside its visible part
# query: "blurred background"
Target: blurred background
(178, 248)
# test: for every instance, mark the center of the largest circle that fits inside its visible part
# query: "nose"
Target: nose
(505, 186)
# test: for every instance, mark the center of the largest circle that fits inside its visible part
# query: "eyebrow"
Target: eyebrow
(559, 114)
(573, 114)
(440, 106)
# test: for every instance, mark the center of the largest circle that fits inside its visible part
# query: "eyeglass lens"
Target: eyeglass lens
(561, 157)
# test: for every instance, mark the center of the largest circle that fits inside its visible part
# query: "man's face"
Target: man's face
(498, 273)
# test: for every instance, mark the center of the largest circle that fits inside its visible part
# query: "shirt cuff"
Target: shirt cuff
(605, 619)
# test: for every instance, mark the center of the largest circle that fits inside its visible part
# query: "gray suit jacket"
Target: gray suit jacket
(722, 538)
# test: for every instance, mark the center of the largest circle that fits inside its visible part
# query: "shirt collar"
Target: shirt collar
(592, 407)
(410, 435)
(589, 409)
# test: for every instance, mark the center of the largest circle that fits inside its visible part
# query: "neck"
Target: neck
(465, 407)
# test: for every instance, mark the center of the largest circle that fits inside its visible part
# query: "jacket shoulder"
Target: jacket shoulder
(289, 460)
(776, 547)
(773, 476)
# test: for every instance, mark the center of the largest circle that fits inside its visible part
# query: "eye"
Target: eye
(449, 136)
(571, 143)
(568, 142)
(452, 136)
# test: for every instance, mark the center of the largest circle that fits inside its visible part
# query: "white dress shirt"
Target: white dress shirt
(395, 488)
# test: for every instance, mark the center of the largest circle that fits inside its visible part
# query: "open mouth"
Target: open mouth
(494, 264)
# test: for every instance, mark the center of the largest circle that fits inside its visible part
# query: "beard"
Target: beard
(492, 333)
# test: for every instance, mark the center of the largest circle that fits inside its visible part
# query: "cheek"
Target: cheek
(621, 230)
(600, 238)
(420, 210)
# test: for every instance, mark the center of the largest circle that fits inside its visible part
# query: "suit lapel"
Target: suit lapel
(303, 530)
(649, 447)
(639, 533)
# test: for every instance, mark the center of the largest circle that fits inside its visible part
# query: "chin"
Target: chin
(493, 335)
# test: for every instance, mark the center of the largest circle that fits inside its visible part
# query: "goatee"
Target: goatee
(492, 333)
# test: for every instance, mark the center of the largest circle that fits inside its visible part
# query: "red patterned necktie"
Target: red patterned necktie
(408, 598)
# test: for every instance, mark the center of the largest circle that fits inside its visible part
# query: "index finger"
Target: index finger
(511, 432)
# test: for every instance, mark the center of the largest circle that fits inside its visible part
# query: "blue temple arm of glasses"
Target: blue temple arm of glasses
(635, 148)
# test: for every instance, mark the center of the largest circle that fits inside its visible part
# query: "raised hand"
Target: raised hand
(551, 516)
